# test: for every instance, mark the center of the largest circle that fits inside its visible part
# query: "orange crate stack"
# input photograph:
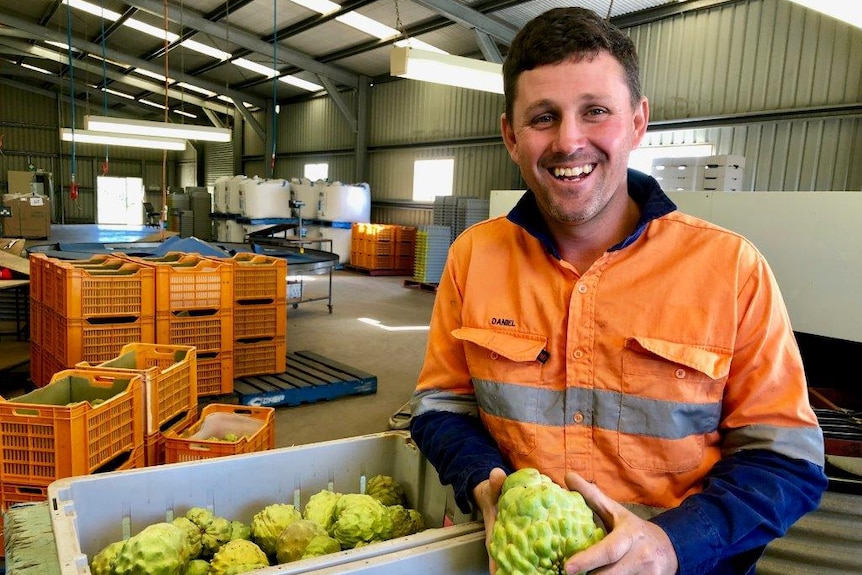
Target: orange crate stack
(255, 425)
(215, 373)
(260, 357)
(382, 247)
(154, 443)
(57, 431)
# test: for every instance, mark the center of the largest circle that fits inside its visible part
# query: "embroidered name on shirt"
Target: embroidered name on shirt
(502, 321)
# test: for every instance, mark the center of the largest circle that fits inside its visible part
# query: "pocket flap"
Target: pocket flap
(513, 346)
(715, 363)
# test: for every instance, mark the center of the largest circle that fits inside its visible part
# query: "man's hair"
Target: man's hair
(562, 34)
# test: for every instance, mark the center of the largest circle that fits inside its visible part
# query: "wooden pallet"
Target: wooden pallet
(308, 378)
(378, 272)
(420, 286)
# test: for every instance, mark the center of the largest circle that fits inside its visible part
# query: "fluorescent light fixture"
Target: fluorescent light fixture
(117, 93)
(446, 69)
(841, 9)
(91, 8)
(205, 49)
(255, 67)
(300, 83)
(320, 6)
(204, 91)
(184, 113)
(367, 25)
(153, 75)
(36, 69)
(109, 139)
(150, 30)
(415, 43)
(153, 104)
(121, 126)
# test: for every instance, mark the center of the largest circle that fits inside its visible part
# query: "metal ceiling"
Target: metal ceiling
(310, 46)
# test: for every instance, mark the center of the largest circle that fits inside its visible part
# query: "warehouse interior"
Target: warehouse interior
(304, 139)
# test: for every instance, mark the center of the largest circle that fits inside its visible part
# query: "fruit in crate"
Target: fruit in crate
(215, 531)
(360, 518)
(197, 567)
(295, 538)
(238, 556)
(321, 508)
(268, 523)
(239, 530)
(321, 545)
(385, 489)
(193, 535)
(405, 521)
(539, 525)
(159, 549)
(103, 561)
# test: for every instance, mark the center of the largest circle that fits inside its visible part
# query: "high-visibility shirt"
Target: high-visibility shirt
(672, 351)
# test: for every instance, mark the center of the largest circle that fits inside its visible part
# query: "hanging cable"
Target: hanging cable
(610, 7)
(164, 211)
(105, 164)
(274, 89)
(73, 168)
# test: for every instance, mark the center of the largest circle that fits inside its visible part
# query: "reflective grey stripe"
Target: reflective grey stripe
(443, 401)
(796, 442)
(600, 408)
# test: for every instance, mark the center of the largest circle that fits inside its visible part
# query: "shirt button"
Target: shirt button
(680, 373)
(578, 354)
(494, 355)
(578, 417)
(582, 288)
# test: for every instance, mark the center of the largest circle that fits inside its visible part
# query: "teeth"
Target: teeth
(573, 172)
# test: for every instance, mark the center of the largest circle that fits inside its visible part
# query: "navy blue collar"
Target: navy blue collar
(643, 189)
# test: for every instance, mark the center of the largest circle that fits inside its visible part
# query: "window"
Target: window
(316, 172)
(432, 178)
(641, 159)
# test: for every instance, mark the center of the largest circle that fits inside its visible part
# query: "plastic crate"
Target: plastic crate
(72, 341)
(113, 289)
(43, 365)
(211, 332)
(55, 432)
(259, 357)
(154, 443)
(258, 278)
(189, 282)
(180, 448)
(260, 320)
(215, 373)
(87, 513)
(169, 373)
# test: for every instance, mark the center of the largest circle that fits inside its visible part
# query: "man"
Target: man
(635, 354)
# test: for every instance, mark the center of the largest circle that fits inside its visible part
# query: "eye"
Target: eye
(596, 112)
(542, 120)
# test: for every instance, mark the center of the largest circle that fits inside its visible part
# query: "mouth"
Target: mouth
(573, 173)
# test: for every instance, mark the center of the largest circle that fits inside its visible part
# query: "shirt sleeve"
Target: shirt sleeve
(749, 499)
(460, 449)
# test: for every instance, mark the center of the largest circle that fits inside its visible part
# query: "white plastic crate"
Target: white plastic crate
(88, 512)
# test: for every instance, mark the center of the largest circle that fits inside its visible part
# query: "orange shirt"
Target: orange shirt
(644, 370)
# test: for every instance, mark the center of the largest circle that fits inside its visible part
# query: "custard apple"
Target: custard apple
(405, 521)
(386, 490)
(295, 538)
(268, 523)
(321, 545)
(104, 561)
(237, 556)
(321, 508)
(360, 517)
(159, 549)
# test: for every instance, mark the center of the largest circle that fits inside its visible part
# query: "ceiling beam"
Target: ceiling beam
(470, 18)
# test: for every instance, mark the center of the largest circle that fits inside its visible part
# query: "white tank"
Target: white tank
(234, 232)
(339, 202)
(305, 191)
(261, 199)
(341, 242)
(220, 230)
(220, 195)
(233, 191)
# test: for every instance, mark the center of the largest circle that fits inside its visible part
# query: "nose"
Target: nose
(571, 135)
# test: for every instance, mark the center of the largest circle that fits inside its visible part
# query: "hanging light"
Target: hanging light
(126, 126)
(113, 139)
(406, 62)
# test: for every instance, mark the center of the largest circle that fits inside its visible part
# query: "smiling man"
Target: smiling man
(638, 355)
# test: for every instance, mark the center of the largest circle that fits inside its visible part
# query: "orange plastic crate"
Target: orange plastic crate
(215, 373)
(55, 431)
(259, 320)
(181, 449)
(259, 357)
(212, 332)
(154, 443)
(36, 313)
(169, 373)
(73, 341)
(114, 288)
(188, 282)
(258, 278)
(43, 365)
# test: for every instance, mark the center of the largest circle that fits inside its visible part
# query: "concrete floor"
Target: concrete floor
(393, 355)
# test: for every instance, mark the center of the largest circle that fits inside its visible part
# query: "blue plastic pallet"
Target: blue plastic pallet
(308, 378)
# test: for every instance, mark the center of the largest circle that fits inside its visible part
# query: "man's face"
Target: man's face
(571, 133)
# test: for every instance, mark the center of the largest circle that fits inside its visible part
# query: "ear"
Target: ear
(640, 120)
(508, 137)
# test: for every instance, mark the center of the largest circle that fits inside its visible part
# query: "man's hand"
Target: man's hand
(486, 495)
(632, 545)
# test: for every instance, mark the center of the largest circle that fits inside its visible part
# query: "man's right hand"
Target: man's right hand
(486, 495)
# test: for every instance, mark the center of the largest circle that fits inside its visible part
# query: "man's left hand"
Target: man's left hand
(632, 545)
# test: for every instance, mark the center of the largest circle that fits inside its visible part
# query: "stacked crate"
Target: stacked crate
(432, 248)
(86, 311)
(382, 248)
(254, 427)
(169, 377)
(79, 423)
(259, 313)
(194, 307)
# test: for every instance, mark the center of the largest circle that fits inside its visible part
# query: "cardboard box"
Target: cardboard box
(19, 182)
(26, 216)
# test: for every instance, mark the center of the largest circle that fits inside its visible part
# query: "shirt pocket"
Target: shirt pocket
(507, 377)
(670, 402)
